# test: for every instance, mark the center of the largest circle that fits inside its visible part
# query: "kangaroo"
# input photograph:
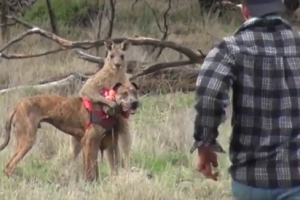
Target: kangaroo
(113, 71)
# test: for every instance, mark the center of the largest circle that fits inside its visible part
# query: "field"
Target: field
(162, 129)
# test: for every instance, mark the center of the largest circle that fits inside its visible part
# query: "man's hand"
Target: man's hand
(206, 160)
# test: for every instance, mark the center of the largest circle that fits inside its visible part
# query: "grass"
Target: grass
(161, 148)
(162, 130)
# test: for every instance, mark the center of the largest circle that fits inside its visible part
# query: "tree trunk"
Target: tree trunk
(52, 17)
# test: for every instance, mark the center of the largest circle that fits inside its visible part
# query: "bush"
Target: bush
(68, 12)
(71, 13)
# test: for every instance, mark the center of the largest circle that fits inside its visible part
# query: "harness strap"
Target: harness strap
(98, 116)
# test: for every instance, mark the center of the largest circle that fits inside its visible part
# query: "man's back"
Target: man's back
(266, 103)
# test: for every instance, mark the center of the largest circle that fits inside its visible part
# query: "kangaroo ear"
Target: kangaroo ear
(125, 45)
(116, 86)
(108, 43)
(135, 85)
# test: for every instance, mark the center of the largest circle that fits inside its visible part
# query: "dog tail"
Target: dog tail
(8, 129)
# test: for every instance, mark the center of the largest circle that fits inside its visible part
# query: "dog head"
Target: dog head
(127, 97)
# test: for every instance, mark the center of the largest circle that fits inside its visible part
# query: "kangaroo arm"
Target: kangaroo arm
(95, 96)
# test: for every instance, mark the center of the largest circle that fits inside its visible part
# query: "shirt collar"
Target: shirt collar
(253, 20)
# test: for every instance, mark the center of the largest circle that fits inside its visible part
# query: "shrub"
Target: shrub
(68, 12)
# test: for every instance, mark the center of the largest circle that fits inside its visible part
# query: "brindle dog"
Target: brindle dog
(73, 117)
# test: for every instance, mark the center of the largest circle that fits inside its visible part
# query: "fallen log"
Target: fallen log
(159, 82)
(70, 83)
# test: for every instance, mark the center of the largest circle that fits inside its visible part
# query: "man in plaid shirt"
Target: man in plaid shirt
(261, 63)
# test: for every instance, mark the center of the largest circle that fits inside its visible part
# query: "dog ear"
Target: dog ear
(108, 43)
(116, 86)
(135, 85)
(125, 45)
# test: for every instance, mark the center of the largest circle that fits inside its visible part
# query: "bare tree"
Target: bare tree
(111, 19)
(99, 19)
(52, 17)
(106, 13)
(164, 30)
(162, 27)
(4, 12)
(20, 7)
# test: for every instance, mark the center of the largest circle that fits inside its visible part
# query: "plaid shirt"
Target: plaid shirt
(261, 63)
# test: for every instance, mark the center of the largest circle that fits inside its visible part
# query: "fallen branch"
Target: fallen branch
(168, 81)
(160, 82)
(194, 57)
(67, 44)
(90, 58)
(24, 56)
(160, 66)
(78, 76)
(59, 83)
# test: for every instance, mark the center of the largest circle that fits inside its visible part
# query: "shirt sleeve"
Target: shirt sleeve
(213, 84)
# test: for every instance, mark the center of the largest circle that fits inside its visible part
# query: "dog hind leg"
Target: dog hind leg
(25, 137)
(75, 148)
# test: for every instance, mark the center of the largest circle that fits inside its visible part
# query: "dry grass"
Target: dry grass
(162, 132)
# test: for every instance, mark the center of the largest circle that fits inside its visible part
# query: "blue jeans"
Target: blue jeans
(244, 192)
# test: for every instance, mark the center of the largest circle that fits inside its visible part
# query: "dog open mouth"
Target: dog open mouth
(129, 110)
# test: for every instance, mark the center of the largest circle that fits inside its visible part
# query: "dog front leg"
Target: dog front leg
(90, 147)
(125, 141)
(113, 158)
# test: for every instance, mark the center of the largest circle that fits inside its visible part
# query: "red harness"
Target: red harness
(98, 116)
